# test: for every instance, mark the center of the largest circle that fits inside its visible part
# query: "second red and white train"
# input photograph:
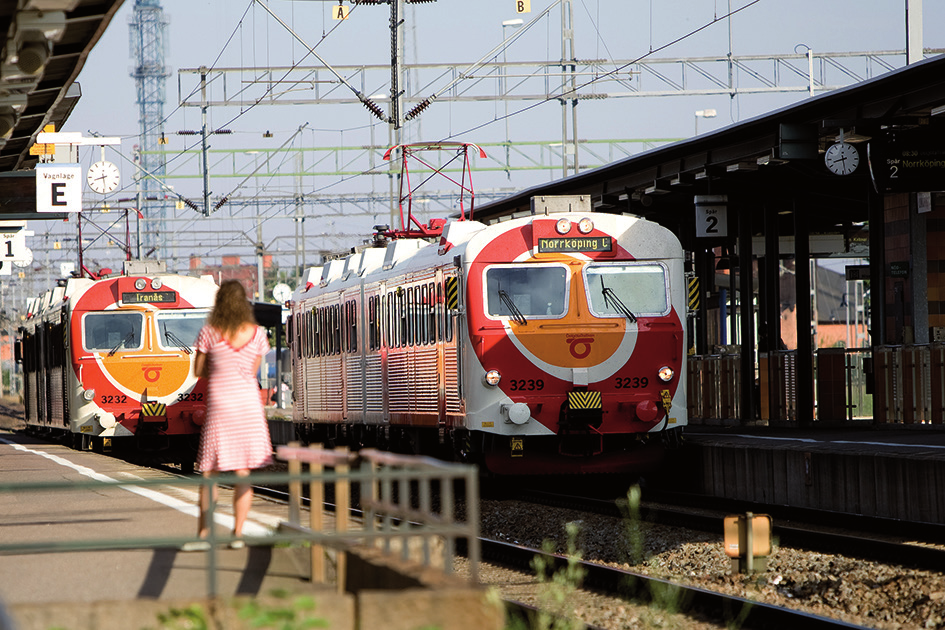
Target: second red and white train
(550, 344)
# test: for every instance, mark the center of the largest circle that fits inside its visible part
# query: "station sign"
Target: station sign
(711, 215)
(58, 187)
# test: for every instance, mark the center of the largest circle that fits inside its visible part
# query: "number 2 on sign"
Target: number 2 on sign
(523, 6)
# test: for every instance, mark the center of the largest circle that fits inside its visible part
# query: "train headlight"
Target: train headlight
(563, 226)
(666, 374)
(585, 226)
(492, 378)
(156, 284)
(141, 284)
(88, 395)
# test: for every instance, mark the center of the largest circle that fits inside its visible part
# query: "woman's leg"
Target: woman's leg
(203, 522)
(242, 500)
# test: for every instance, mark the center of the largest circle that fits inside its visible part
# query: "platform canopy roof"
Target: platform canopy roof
(773, 158)
(44, 46)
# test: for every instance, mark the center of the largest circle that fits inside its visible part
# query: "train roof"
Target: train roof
(644, 238)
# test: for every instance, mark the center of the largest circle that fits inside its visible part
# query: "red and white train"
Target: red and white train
(550, 344)
(108, 363)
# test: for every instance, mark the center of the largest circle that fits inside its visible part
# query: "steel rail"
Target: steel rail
(798, 528)
(718, 606)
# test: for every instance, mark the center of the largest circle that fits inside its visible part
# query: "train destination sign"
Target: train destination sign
(149, 297)
(913, 164)
(576, 244)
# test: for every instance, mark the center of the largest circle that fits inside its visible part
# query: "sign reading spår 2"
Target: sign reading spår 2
(58, 187)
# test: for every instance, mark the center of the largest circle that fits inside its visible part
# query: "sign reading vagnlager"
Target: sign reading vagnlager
(576, 244)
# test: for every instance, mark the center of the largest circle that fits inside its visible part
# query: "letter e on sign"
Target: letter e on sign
(59, 187)
(523, 6)
(711, 221)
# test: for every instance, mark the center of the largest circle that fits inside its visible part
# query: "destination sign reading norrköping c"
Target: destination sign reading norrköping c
(575, 244)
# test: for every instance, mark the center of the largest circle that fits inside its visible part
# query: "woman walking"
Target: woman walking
(235, 435)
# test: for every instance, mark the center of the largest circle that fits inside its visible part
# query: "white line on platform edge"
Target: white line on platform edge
(251, 528)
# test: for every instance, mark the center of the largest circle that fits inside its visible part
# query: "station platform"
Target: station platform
(37, 588)
(44, 584)
(895, 473)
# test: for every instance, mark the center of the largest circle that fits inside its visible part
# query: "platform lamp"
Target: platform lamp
(704, 113)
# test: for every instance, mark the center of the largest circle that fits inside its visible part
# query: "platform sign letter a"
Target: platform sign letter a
(523, 6)
(339, 12)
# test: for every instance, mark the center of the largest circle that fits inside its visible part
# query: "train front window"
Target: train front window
(526, 291)
(627, 290)
(178, 330)
(112, 331)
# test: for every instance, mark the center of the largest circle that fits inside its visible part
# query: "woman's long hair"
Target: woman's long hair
(231, 309)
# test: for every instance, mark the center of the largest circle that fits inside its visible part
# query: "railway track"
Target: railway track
(638, 588)
(866, 538)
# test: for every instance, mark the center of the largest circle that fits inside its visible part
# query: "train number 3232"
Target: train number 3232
(190, 396)
(114, 400)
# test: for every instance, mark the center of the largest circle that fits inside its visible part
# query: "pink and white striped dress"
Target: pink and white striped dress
(235, 435)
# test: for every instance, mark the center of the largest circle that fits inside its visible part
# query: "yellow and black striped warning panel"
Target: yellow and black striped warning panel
(694, 293)
(452, 292)
(153, 409)
(584, 400)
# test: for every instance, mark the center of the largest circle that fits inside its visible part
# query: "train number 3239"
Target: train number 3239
(530, 385)
(631, 382)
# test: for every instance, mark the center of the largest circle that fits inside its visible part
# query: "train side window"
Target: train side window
(439, 312)
(408, 317)
(335, 329)
(371, 315)
(431, 312)
(352, 326)
(401, 318)
(310, 315)
(320, 331)
(390, 322)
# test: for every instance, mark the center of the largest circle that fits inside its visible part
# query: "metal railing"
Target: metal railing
(396, 494)
(841, 385)
(910, 384)
(399, 521)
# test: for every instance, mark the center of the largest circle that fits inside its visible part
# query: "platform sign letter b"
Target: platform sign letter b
(523, 6)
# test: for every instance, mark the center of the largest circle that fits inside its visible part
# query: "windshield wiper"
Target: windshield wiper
(168, 335)
(612, 301)
(509, 304)
(127, 338)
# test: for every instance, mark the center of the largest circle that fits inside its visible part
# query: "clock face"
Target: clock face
(103, 177)
(25, 260)
(842, 158)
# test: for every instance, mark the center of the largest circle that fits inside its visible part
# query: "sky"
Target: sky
(241, 34)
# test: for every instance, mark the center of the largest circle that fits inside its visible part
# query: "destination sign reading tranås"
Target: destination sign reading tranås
(576, 244)
(149, 297)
